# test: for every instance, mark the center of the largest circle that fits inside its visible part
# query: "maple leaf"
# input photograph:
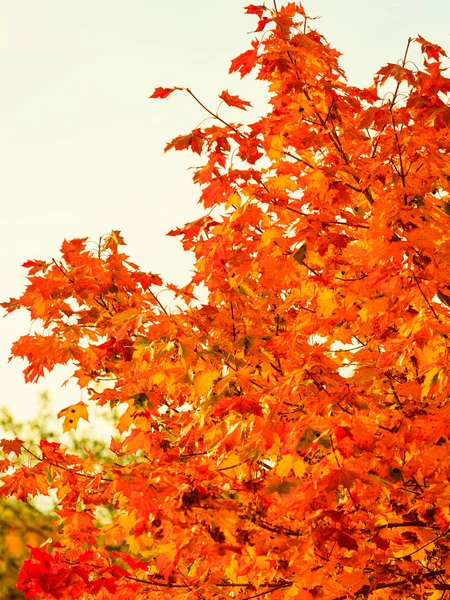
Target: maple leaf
(113, 240)
(161, 92)
(72, 414)
(204, 382)
(300, 254)
(234, 100)
(12, 446)
(246, 61)
(431, 50)
(10, 306)
(213, 193)
(192, 229)
(194, 141)
(346, 541)
(253, 9)
(74, 246)
(34, 266)
(262, 24)
(239, 404)
(146, 279)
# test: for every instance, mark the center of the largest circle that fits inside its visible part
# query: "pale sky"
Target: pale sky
(81, 146)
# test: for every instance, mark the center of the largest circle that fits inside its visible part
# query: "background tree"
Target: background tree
(288, 435)
(25, 524)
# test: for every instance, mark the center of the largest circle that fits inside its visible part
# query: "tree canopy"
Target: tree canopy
(286, 437)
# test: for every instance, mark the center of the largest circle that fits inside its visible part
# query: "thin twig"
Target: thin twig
(426, 299)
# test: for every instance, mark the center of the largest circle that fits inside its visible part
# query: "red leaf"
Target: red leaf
(245, 62)
(341, 433)
(193, 140)
(346, 541)
(262, 23)
(233, 100)
(252, 9)
(381, 543)
(75, 246)
(11, 446)
(431, 50)
(34, 266)
(213, 194)
(239, 404)
(161, 92)
(146, 279)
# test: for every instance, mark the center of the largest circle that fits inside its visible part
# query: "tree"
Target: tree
(25, 524)
(288, 436)
(20, 525)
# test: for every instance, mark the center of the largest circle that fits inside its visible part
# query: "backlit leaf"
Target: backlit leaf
(72, 414)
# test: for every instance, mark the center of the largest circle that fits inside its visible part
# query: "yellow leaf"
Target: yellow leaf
(233, 200)
(204, 381)
(233, 466)
(292, 592)
(158, 378)
(431, 377)
(231, 570)
(233, 282)
(276, 147)
(299, 468)
(244, 290)
(284, 466)
(326, 303)
(135, 544)
(282, 183)
(72, 414)
(268, 237)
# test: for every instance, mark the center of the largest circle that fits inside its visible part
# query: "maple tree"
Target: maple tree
(287, 436)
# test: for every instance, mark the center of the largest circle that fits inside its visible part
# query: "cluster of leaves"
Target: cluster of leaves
(288, 436)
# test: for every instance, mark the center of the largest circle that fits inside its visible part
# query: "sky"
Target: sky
(81, 145)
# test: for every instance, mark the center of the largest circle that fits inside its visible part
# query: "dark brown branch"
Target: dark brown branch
(56, 465)
(158, 302)
(394, 97)
(233, 326)
(318, 384)
(404, 524)
(426, 299)
(215, 115)
(269, 591)
(424, 545)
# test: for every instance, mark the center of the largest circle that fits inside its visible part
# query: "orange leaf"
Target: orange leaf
(234, 100)
(193, 141)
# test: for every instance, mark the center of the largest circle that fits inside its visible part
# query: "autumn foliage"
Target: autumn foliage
(288, 436)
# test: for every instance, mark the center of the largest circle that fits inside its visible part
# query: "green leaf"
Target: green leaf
(140, 401)
(300, 254)
(325, 442)
(307, 438)
(395, 473)
(281, 487)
